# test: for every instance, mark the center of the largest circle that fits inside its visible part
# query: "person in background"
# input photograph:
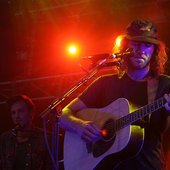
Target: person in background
(23, 147)
(141, 80)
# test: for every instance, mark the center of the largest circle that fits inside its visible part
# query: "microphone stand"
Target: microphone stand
(52, 108)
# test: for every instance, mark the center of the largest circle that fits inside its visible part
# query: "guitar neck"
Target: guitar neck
(140, 113)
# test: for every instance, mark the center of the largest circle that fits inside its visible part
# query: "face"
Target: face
(21, 114)
(143, 54)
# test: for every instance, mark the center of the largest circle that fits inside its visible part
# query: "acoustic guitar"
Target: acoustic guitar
(120, 138)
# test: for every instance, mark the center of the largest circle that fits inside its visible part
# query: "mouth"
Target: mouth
(140, 59)
(18, 121)
(18, 126)
(137, 59)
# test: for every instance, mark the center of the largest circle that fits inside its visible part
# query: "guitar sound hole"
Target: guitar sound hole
(103, 145)
(108, 131)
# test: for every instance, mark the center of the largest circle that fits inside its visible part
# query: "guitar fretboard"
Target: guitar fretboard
(138, 114)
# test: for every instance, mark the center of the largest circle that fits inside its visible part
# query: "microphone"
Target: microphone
(17, 128)
(96, 57)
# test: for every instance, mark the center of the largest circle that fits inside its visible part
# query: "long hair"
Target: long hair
(158, 60)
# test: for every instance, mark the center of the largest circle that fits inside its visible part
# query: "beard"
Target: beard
(136, 66)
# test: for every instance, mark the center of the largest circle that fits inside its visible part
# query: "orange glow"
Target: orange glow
(118, 44)
(118, 41)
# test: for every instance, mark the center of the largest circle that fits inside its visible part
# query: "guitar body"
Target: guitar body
(123, 144)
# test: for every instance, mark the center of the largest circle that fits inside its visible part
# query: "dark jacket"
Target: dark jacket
(29, 155)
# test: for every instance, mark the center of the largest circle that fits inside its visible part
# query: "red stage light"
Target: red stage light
(104, 132)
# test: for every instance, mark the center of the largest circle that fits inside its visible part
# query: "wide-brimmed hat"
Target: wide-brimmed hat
(142, 30)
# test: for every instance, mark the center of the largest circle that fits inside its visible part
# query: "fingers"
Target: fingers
(90, 132)
(95, 128)
(167, 97)
(167, 104)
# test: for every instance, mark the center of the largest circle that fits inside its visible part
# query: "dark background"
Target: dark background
(34, 35)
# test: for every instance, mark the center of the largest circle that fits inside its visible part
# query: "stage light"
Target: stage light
(72, 50)
(104, 132)
(118, 44)
(118, 41)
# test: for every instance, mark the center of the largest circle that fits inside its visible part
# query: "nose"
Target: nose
(139, 50)
(17, 115)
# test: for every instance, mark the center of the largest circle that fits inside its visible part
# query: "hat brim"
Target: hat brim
(143, 39)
